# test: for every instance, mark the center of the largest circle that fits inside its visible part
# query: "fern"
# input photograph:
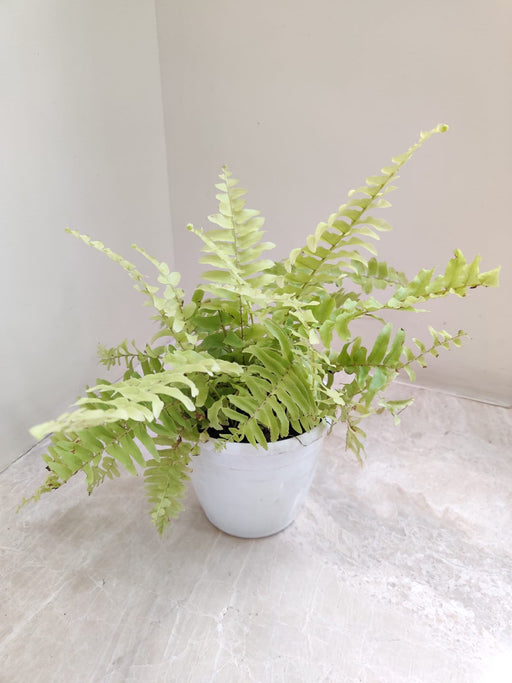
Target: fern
(262, 349)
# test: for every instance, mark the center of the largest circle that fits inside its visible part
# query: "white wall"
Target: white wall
(82, 145)
(304, 99)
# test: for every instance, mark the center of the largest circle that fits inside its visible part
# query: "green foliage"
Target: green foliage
(165, 478)
(261, 350)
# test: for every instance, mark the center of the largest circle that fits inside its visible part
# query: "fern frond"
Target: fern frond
(228, 268)
(149, 359)
(165, 481)
(355, 436)
(275, 395)
(373, 370)
(441, 339)
(115, 355)
(127, 402)
(376, 274)
(171, 311)
(234, 250)
(394, 407)
(104, 431)
(140, 399)
(83, 451)
(336, 243)
(239, 235)
(458, 277)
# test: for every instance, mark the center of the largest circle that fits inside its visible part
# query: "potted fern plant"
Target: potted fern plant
(259, 357)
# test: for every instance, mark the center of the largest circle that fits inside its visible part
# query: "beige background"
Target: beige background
(302, 100)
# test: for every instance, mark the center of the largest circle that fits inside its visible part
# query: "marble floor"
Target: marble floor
(397, 571)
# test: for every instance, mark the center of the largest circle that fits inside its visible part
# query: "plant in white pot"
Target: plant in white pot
(259, 358)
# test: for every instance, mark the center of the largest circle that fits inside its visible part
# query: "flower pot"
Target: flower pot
(250, 492)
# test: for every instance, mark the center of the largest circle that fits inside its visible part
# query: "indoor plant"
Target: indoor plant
(261, 350)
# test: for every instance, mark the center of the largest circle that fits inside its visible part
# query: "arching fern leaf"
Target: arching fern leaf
(337, 242)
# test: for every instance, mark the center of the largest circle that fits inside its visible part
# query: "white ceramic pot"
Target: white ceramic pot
(250, 492)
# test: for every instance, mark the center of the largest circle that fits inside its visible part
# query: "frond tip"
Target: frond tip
(165, 481)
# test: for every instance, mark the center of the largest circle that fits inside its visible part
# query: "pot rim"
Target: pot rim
(274, 447)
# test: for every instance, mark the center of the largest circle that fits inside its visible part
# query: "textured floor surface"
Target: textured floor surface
(399, 571)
